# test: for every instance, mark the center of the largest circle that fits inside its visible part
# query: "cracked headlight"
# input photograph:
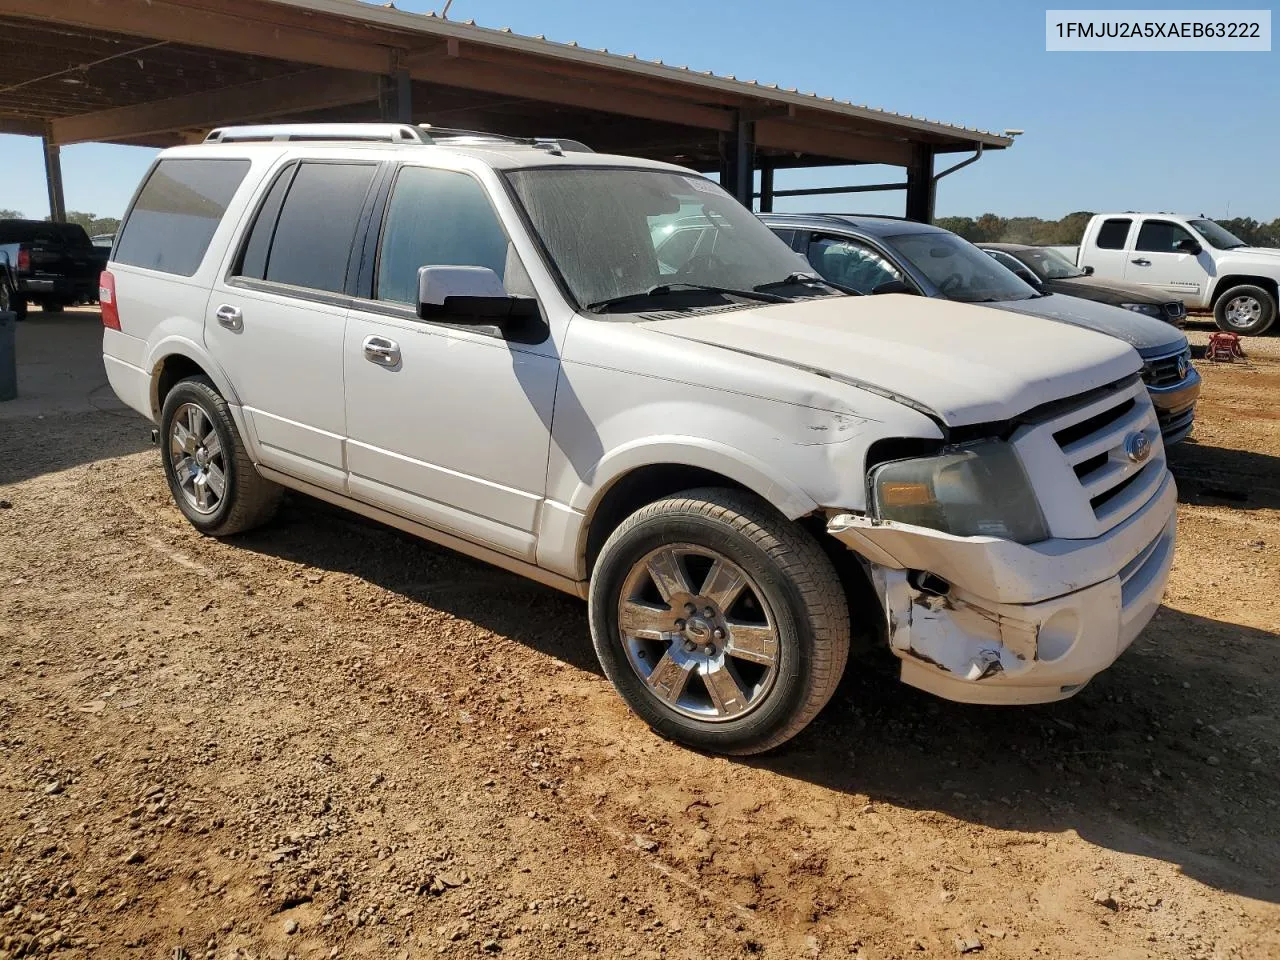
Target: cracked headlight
(978, 490)
(1146, 309)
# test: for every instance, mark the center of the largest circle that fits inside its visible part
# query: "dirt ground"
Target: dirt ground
(326, 739)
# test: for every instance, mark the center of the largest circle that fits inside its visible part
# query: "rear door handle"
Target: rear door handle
(383, 352)
(230, 317)
(1142, 262)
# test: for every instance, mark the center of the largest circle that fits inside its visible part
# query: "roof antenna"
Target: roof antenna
(444, 14)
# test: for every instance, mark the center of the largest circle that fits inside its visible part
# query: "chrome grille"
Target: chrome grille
(1080, 463)
(1167, 370)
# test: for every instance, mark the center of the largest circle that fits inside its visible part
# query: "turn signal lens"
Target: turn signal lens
(905, 494)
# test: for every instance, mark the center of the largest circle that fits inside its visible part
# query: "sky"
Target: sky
(1190, 132)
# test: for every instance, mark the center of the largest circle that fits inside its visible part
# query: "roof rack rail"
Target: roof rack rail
(552, 144)
(284, 132)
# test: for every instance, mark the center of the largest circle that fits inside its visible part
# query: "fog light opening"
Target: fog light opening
(1057, 636)
(928, 583)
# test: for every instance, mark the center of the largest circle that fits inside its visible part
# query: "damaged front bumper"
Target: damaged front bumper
(1018, 624)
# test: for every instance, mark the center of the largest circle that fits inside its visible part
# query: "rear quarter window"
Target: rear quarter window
(1113, 233)
(177, 212)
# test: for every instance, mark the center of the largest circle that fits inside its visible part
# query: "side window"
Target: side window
(317, 224)
(436, 217)
(786, 236)
(253, 259)
(174, 218)
(1160, 236)
(850, 264)
(1113, 233)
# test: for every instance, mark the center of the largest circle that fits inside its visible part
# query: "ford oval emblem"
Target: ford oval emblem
(1137, 447)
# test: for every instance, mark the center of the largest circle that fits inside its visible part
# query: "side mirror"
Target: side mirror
(1088, 271)
(472, 295)
(1187, 245)
(891, 286)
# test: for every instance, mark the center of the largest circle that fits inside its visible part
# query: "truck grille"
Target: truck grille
(1082, 461)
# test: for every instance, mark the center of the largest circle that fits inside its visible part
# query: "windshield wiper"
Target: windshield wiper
(667, 289)
(807, 279)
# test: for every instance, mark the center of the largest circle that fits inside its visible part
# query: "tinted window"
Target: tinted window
(317, 224)
(850, 264)
(253, 260)
(436, 217)
(1160, 236)
(1112, 234)
(176, 214)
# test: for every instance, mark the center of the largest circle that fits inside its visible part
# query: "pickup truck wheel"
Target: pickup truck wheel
(210, 474)
(1245, 309)
(720, 622)
(19, 307)
(50, 306)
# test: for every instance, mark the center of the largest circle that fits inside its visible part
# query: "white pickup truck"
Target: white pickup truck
(1193, 257)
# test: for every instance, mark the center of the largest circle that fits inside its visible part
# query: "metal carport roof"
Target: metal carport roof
(160, 72)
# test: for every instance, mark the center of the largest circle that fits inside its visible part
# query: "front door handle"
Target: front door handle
(1142, 262)
(383, 352)
(230, 317)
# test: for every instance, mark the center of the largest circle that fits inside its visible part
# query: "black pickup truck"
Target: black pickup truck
(52, 264)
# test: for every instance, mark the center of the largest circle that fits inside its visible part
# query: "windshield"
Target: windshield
(960, 270)
(1217, 235)
(1049, 264)
(617, 235)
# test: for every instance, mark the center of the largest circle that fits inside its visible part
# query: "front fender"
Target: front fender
(705, 454)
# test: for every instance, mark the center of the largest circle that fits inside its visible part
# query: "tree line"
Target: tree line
(92, 223)
(992, 228)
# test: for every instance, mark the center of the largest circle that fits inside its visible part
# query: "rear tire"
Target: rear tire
(209, 470)
(50, 306)
(720, 622)
(19, 307)
(1246, 309)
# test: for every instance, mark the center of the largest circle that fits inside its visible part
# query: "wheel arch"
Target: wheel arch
(176, 358)
(1230, 280)
(633, 477)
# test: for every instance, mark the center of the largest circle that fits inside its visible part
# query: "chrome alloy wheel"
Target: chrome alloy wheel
(197, 457)
(1243, 311)
(698, 632)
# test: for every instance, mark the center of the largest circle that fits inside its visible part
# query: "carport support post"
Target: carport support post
(737, 172)
(920, 184)
(53, 179)
(766, 186)
(395, 97)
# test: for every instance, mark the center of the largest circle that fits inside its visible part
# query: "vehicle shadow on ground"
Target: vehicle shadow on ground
(325, 537)
(31, 447)
(1164, 756)
(1209, 475)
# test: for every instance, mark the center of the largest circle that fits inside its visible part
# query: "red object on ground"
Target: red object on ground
(1224, 348)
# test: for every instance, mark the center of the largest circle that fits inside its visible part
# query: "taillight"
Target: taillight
(24, 260)
(107, 300)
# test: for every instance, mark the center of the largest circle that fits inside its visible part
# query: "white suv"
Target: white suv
(473, 339)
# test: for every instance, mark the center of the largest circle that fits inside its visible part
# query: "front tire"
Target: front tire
(1247, 310)
(721, 623)
(209, 470)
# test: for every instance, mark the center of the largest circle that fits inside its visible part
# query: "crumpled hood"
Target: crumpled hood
(1151, 337)
(965, 363)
